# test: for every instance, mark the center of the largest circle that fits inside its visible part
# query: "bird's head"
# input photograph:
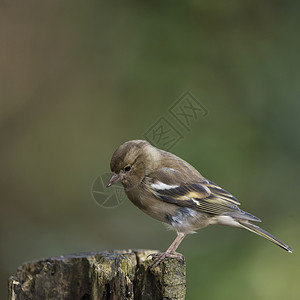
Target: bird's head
(128, 163)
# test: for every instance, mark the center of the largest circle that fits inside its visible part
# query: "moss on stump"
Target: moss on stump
(117, 274)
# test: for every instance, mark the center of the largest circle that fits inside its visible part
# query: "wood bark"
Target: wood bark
(116, 274)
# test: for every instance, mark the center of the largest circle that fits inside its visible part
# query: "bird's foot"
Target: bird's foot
(158, 257)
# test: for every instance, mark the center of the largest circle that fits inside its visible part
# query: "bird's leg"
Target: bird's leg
(177, 241)
(170, 251)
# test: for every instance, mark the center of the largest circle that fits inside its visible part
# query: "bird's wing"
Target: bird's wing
(204, 196)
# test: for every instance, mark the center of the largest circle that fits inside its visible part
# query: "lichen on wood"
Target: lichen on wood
(116, 274)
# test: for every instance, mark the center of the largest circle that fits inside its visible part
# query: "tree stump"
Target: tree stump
(113, 275)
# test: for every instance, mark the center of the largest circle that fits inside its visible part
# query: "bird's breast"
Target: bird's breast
(151, 205)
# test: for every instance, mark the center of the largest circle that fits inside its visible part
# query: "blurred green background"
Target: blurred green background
(80, 78)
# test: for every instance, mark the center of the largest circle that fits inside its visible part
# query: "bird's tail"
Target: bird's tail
(265, 234)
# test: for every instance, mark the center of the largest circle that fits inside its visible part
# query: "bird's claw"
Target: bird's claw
(161, 256)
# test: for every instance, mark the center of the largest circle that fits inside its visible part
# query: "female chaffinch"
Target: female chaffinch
(169, 189)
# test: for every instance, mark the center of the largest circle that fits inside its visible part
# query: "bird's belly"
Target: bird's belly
(181, 219)
(188, 220)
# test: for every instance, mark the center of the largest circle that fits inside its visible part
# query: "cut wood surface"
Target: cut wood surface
(116, 274)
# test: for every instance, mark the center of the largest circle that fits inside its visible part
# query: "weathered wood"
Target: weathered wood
(117, 274)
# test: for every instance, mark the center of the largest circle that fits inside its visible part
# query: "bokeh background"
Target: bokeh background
(80, 78)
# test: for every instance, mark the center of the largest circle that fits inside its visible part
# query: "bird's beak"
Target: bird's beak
(114, 178)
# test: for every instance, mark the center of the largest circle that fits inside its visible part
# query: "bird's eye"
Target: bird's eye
(127, 168)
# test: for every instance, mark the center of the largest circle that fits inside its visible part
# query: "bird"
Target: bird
(170, 190)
